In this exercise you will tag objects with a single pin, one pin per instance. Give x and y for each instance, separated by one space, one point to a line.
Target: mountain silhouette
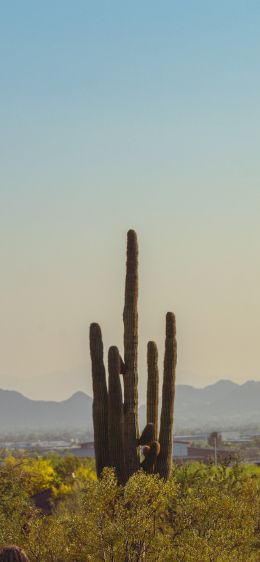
221 405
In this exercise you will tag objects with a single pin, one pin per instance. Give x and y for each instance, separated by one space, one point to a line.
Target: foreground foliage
202 514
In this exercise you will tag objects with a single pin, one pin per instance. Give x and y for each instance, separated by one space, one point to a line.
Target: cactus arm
115 415
151 453
152 386
148 434
164 462
100 399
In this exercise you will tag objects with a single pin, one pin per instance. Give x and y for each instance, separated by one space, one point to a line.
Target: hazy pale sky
118 115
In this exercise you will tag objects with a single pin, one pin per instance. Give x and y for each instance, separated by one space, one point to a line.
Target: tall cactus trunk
100 399
152 386
115 415
164 462
130 317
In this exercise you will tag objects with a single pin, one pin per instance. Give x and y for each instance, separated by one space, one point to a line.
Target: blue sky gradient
129 115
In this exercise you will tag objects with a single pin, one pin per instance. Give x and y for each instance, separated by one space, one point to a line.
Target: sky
118 115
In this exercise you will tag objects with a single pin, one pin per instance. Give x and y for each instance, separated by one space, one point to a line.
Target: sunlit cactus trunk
130 317
164 461
115 415
100 399
152 395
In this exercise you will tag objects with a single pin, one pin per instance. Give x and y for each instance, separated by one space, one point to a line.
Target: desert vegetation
201 514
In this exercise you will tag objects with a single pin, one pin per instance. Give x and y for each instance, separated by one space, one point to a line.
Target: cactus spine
152 395
100 400
116 430
130 317
164 462
115 415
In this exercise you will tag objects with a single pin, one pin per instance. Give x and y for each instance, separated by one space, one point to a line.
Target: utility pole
215 450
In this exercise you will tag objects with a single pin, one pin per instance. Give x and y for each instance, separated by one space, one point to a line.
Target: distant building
180 449
184 451
84 450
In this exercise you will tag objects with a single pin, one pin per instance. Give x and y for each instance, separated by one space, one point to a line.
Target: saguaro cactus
164 462
116 430
100 399
115 415
152 395
130 317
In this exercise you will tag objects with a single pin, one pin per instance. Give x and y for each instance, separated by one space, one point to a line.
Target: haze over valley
224 405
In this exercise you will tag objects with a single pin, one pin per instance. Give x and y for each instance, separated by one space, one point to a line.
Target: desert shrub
202 514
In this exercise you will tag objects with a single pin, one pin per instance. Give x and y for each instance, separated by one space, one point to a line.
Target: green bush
202 514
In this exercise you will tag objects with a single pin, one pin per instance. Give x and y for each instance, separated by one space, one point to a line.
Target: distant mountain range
18 413
222 405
